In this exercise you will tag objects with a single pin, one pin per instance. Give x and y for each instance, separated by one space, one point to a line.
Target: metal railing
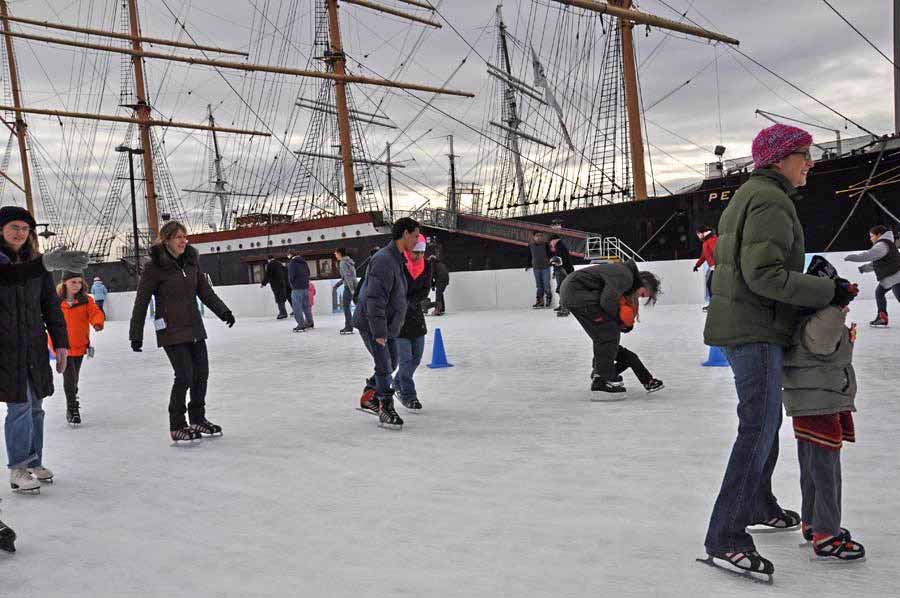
604 249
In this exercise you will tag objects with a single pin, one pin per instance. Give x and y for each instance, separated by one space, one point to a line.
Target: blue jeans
409 356
385 358
542 283
24 431
346 300
746 494
300 304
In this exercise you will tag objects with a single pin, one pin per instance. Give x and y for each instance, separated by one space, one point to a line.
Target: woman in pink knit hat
756 293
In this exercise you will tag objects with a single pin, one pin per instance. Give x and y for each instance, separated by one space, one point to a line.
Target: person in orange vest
709 239
81 313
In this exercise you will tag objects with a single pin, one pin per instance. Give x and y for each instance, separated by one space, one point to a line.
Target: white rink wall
487 289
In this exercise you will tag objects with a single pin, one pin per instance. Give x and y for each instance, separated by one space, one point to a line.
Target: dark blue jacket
381 309
298 273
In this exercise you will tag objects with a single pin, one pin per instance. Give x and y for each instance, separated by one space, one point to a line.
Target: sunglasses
806 155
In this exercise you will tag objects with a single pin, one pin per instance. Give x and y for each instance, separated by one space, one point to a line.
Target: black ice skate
299 328
654 385
749 565
808 532
387 417
411 403
206 428
880 321
539 304
786 522
73 414
185 434
346 330
7 538
838 549
604 385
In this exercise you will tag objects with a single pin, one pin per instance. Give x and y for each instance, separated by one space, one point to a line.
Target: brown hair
169 230
878 230
80 296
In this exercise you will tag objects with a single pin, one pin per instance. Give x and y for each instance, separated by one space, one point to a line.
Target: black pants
626 359
282 311
70 379
820 486
605 334
709 277
439 298
191 364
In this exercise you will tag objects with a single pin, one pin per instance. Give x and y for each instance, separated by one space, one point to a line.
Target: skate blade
613 398
375 413
762 578
216 435
771 530
830 560
27 491
46 481
650 392
184 444
386 426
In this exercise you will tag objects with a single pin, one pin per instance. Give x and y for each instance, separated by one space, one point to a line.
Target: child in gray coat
819 392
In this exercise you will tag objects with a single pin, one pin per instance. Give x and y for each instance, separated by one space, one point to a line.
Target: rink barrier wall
486 289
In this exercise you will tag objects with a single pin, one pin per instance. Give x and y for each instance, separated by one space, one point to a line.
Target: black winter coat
381 310
416 292
441 276
176 284
562 252
276 277
29 310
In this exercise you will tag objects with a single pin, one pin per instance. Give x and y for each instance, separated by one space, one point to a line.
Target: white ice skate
42 474
21 481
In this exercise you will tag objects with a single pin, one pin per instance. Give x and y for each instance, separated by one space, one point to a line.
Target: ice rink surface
510 482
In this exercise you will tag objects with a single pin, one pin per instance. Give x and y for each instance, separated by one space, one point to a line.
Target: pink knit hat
778 142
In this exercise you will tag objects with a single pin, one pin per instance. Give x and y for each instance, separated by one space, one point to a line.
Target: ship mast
628 18
897 66
17 102
513 121
219 188
338 64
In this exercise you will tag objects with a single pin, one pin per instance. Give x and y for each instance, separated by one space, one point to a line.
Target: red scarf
415 269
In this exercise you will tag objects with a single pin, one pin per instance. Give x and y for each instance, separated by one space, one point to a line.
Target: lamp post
137 248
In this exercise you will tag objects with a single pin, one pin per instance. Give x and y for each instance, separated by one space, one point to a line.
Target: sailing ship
562 150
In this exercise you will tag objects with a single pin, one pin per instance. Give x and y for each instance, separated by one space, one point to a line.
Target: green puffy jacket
818 370
759 281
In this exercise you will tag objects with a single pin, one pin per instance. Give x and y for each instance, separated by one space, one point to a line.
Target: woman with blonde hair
81 313
174 279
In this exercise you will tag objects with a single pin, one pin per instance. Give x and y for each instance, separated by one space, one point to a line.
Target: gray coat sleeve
878 251
348 274
824 330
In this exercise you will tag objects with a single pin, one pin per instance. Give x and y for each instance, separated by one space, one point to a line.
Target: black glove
626 329
136 346
696 268
844 292
228 318
862 269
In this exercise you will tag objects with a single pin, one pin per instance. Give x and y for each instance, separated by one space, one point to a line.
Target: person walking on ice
757 290
592 295
884 260
379 317
347 270
99 292
819 392
81 314
539 260
276 278
298 276
174 279
709 239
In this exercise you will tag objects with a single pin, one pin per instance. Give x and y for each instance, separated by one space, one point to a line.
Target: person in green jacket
756 293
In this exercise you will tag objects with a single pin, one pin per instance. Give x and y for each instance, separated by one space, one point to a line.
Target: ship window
240 245
289 239
228 248
270 241
308 239
282 241
358 233
322 237
256 272
218 248
326 267
313 268
343 234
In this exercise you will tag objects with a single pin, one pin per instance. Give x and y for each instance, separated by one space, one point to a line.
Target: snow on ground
509 483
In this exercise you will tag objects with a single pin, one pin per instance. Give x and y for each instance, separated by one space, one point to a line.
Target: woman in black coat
411 342
29 310
173 277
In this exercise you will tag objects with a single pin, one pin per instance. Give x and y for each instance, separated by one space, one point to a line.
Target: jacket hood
349 260
164 259
888 236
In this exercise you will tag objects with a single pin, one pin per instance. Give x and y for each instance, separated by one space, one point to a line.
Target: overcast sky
803 40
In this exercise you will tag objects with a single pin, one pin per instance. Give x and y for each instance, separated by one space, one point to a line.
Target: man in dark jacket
758 287
380 314
440 280
298 277
592 294
539 259
561 261
276 277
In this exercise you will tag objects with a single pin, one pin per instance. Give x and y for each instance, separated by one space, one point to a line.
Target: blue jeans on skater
346 301
24 430
746 494
542 283
385 358
409 356
300 304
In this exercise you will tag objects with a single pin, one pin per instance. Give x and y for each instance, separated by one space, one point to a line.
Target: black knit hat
71 275
12 213
821 267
